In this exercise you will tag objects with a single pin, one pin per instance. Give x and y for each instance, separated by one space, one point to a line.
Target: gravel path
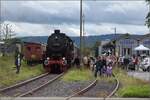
22 89
101 89
60 88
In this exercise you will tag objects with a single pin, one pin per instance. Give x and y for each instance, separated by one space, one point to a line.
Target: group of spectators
129 62
102 64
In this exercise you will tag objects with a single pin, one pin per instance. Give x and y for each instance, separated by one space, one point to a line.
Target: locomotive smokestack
57 31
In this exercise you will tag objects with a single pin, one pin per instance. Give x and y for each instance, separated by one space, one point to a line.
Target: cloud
27 29
58 12
120 12
42 17
40 12
108 28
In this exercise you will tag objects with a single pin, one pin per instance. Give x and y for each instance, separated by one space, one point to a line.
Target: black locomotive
59 52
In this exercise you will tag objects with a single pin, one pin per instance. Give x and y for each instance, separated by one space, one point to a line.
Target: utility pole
7 32
115 30
83 31
0 31
81 25
149 16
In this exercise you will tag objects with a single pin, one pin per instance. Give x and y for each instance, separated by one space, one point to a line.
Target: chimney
57 31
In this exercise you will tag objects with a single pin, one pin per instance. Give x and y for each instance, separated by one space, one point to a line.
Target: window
128 51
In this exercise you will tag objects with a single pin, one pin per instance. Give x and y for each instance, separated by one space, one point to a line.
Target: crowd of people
131 63
102 64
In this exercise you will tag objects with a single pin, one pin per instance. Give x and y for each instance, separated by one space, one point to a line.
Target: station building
125 44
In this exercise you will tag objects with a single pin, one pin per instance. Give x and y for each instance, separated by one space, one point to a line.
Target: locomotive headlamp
46 62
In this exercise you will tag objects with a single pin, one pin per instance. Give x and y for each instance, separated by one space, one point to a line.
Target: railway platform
63 98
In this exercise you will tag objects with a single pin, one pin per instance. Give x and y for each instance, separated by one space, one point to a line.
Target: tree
148 15
96 48
6 34
6 31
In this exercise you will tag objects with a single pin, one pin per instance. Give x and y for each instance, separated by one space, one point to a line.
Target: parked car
145 64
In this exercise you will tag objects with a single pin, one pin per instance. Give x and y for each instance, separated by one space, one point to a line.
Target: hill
88 40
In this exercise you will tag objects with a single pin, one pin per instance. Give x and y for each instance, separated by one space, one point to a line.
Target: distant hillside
89 40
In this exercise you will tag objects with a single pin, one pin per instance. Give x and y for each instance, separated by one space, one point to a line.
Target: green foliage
95 48
86 51
148 15
134 91
131 87
13 41
8 75
78 75
148 1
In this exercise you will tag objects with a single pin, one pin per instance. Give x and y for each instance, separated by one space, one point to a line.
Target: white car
145 64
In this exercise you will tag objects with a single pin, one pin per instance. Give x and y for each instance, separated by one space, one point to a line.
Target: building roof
130 36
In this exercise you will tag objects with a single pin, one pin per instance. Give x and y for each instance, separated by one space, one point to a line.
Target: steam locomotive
59 52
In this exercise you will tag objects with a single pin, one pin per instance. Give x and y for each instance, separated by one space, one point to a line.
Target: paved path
75 98
140 75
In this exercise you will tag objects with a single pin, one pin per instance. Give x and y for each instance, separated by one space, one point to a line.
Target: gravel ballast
60 88
101 89
26 87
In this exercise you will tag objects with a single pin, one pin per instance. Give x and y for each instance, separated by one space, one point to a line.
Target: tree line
148 15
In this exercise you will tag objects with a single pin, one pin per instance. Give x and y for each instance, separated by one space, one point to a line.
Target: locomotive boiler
59 52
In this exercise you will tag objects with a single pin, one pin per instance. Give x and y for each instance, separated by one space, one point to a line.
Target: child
109 69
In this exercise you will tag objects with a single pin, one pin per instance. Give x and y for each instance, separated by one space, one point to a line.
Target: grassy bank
8 74
131 87
75 74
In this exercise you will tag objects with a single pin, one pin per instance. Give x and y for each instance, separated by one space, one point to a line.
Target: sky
40 18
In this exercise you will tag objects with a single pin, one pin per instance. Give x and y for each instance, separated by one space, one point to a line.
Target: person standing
18 63
92 62
104 65
85 61
99 66
77 62
109 70
135 62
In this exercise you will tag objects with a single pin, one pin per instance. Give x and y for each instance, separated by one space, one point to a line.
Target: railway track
92 85
29 86
115 89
